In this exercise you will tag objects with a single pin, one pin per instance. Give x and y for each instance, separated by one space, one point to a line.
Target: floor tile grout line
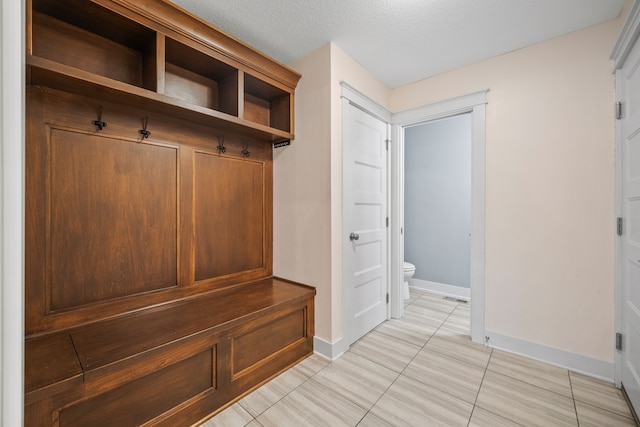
403 370
372 361
532 385
413 358
377 400
475 405
285 395
446 356
497 415
480 387
403 339
401 374
604 410
321 385
599 407
483 375
386 367
573 398
342 396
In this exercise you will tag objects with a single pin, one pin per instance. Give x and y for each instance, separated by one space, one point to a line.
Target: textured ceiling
401 41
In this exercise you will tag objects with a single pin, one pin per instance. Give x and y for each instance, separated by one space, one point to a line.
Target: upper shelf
188 69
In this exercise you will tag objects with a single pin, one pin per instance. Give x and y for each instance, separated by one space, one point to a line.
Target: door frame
475 104
351 96
12 89
629 35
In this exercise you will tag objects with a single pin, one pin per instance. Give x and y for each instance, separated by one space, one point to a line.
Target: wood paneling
113 216
51 366
266 340
142 400
59 125
230 215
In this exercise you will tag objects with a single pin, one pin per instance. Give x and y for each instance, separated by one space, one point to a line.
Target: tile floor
424 370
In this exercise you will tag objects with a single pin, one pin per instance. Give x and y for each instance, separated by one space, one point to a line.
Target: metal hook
144 132
221 147
245 151
101 125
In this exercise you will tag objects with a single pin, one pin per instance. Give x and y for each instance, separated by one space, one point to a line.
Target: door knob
354 236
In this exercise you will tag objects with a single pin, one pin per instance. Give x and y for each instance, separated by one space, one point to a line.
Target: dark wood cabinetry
152 55
149 290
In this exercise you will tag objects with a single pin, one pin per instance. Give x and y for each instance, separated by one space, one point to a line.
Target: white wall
11 211
437 200
549 187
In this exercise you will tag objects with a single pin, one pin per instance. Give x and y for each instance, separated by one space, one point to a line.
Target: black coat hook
221 147
245 151
144 132
101 125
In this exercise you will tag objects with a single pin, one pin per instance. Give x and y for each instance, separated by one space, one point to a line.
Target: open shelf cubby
83 35
162 60
200 79
266 104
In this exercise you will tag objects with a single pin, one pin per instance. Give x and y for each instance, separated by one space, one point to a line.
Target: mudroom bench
149 289
173 364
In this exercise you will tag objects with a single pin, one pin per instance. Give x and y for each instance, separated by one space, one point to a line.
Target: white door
629 80
364 221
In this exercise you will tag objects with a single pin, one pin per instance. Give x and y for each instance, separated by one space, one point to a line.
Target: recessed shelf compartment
266 104
197 78
86 36
106 48
43 72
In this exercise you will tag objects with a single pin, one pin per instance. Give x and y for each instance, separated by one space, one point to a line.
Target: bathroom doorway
437 205
472 105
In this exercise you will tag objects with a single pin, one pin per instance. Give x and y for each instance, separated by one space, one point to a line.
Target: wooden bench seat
51 366
198 354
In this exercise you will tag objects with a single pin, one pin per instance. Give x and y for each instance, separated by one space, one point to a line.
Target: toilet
409 270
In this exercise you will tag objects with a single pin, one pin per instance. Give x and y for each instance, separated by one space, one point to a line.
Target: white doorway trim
475 104
362 101
12 89
629 35
352 96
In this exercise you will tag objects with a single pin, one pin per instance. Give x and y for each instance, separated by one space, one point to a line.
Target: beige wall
308 182
302 190
344 68
549 187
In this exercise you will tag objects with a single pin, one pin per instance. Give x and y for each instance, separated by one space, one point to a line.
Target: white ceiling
401 41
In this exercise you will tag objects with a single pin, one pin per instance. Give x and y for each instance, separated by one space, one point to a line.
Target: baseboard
554 356
327 349
440 288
